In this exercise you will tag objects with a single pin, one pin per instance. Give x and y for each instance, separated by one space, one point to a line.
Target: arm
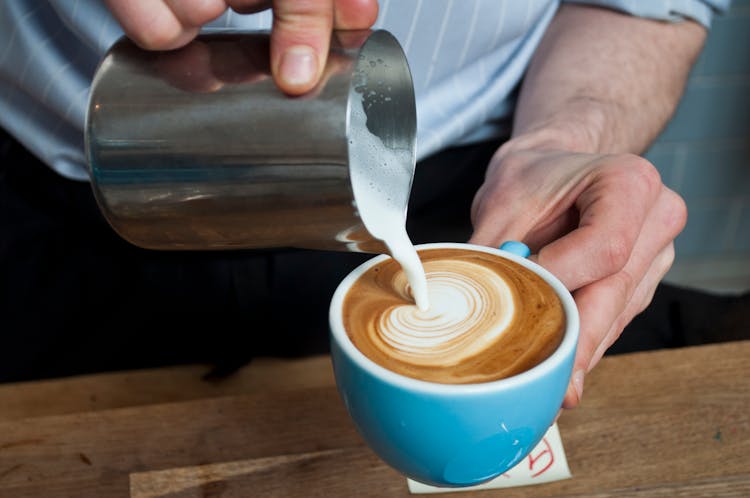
607 82
599 89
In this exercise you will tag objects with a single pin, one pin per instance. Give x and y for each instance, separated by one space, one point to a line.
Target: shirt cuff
701 11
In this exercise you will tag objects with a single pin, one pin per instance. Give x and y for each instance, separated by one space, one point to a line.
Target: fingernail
299 64
578 383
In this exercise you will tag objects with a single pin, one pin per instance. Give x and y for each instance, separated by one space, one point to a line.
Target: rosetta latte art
470 307
489 318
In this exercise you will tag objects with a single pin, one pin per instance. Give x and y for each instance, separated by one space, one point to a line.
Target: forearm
602 81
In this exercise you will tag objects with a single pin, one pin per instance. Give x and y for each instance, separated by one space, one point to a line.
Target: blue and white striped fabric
466 56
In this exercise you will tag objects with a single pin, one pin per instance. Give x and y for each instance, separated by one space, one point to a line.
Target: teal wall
704 153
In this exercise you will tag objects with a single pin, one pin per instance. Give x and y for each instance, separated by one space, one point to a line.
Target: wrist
582 125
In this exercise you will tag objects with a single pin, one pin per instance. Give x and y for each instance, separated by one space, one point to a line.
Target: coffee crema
489 318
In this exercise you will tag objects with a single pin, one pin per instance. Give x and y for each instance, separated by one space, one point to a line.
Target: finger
612 211
337 64
529 193
153 25
497 216
196 13
354 14
574 393
535 238
600 304
497 211
664 223
553 230
348 39
249 6
640 300
300 40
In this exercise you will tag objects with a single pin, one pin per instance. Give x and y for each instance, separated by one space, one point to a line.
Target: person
588 85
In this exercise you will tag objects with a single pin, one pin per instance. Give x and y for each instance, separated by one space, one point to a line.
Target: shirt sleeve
665 10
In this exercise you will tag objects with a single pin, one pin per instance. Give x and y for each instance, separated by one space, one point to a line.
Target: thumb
300 40
493 218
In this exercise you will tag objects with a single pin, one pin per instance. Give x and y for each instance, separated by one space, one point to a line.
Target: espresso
489 318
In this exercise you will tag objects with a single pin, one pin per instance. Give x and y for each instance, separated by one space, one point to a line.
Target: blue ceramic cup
452 434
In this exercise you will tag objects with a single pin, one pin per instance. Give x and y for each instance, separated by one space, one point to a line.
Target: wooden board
143 387
662 424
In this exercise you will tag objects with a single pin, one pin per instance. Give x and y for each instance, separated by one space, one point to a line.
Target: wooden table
660 424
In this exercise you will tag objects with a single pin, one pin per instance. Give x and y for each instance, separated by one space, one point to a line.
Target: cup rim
564 350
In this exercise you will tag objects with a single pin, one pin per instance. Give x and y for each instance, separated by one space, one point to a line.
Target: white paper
545 463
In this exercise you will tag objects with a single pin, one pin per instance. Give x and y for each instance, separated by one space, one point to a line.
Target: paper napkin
545 463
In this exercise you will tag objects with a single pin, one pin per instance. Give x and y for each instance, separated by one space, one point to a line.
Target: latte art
470 307
489 318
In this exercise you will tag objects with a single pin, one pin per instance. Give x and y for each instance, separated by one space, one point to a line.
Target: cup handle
517 248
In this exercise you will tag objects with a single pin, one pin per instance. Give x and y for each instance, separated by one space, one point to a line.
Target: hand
603 224
206 66
300 37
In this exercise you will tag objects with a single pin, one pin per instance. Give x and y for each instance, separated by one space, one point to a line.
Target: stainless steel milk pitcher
196 148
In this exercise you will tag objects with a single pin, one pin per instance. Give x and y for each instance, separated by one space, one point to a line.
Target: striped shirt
466 56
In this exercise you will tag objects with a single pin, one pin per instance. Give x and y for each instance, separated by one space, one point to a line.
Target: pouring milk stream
378 176
449 306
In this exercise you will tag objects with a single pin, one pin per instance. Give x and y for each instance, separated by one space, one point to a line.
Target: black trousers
76 298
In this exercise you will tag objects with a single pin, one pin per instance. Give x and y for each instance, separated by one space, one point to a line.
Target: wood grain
161 385
662 424
320 473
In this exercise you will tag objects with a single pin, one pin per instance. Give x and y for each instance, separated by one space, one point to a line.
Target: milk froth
489 318
458 324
